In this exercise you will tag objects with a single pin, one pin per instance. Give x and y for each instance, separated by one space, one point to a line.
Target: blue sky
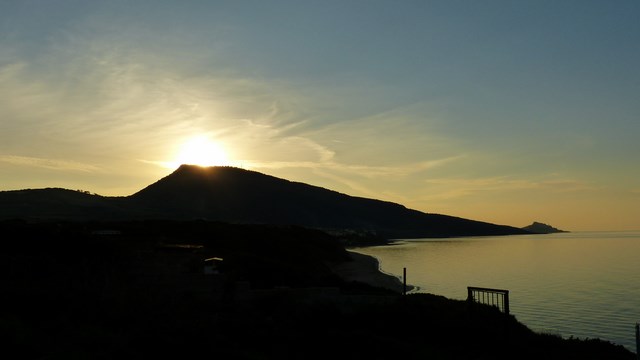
502 111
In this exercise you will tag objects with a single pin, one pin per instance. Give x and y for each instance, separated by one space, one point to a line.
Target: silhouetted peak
215 184
188 168
192 174
204 171
213 172
541 228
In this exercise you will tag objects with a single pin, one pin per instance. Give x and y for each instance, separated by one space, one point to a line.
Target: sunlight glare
201 151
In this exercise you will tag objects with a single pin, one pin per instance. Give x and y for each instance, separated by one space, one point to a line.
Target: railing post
404 281
506 302
638 341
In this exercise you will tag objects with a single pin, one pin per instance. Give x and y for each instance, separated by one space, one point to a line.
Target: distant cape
541 228
235 195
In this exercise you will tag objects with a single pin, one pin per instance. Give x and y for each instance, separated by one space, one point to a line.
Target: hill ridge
236 195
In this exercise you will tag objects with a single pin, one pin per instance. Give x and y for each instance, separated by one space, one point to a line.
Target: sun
201 151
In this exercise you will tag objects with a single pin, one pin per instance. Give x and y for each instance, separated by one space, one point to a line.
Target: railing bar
487 289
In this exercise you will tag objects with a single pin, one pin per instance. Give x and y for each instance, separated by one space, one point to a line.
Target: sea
577 284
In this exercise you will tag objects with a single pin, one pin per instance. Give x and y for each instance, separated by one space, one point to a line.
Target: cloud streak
461 187
52 164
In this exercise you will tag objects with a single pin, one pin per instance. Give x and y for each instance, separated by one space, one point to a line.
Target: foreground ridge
138 288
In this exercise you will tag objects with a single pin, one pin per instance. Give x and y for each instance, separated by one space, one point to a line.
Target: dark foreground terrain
145 289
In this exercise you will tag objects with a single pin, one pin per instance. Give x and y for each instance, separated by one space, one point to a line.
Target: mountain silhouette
235 195
542 228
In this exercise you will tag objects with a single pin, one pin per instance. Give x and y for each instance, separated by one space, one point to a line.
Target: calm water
584 284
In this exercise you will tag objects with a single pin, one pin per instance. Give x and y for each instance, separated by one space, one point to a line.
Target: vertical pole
470 300
404 281
638 341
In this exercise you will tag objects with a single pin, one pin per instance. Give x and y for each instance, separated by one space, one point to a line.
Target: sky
507 112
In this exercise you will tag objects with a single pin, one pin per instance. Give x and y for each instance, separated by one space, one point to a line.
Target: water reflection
575 284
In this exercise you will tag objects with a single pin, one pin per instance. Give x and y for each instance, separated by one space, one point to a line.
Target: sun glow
201 151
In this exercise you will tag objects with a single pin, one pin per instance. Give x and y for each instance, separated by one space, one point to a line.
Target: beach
366 269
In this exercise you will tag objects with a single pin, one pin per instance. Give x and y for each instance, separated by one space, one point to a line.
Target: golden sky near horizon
493 111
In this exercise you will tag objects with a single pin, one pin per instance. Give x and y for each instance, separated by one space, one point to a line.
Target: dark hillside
237 195
58 204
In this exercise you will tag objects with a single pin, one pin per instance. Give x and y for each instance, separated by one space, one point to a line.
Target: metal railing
494 297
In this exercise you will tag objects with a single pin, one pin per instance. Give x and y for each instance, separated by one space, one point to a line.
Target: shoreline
366 269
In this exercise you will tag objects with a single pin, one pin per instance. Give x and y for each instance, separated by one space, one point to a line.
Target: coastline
366 269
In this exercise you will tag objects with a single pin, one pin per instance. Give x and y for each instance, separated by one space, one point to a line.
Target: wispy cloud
126 102
355 169
461 187
120 103
53 164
